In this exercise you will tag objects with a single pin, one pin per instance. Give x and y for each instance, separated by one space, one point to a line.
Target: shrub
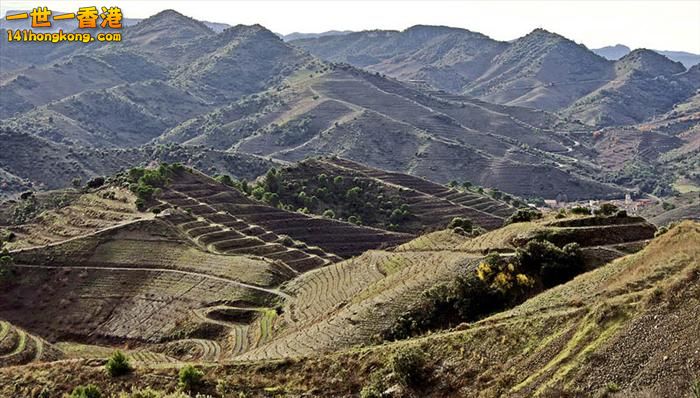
695 388
371 391
612 387
354 220
189 377
606 209
96 182
89 391
118 364
225 179
458 222
407 365
554 265
580 210
271 181
76 182
26 195
523 215
329 213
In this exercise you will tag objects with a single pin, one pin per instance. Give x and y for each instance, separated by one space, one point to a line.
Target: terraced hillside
483 204
198 281
352 302
226 220
17 347
142 282
69 214
369 196
584 337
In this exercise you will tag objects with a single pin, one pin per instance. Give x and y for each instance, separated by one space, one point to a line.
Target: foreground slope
615 328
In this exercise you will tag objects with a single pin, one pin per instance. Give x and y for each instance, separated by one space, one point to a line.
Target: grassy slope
626 323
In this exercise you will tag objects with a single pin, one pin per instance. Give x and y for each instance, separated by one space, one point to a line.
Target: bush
553 264
458 222
407 365
606 209
225 179
189 377
96 182
355 220
329 213
523 215
118 364
89 391
695 388
580 210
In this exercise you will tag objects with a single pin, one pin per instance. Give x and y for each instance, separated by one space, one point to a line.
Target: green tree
118 364
606 209
189 378
408 366
329 213
272 181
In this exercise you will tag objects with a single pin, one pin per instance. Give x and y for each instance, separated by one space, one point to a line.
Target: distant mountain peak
256 30
168 26
648 61
171 18
544 33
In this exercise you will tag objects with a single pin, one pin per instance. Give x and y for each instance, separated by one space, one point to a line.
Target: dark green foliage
606 209
499 282
358 200
147 183
553 264
96 182
496 194
272 198
89 391
118 365
580 210
271 182
644 177
189 378
26 195
465 299
668 206
329 213
464 223
25 210
76 182
354 220
225 179
695 388
523 215
407 365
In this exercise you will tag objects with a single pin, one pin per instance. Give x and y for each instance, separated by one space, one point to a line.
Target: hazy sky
662 25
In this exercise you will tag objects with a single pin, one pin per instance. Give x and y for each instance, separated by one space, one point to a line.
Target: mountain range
540 70
243 91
